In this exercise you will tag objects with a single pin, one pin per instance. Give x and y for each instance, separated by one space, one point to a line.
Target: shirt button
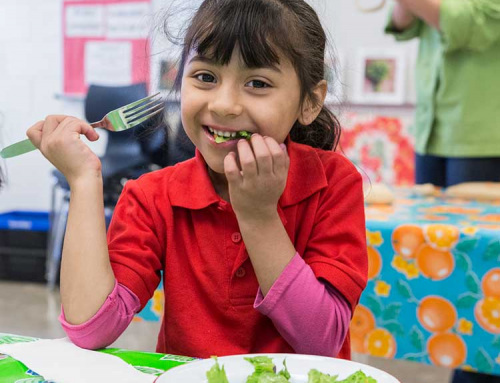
240 273
236 237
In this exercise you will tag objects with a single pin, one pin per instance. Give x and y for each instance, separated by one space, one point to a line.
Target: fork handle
17 149
98 124
103 124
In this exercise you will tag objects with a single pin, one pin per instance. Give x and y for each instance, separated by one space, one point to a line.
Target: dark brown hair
264 29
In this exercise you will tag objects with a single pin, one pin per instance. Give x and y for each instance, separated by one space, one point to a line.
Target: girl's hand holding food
256 177
58 138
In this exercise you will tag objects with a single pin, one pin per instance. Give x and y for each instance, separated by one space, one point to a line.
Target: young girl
262 241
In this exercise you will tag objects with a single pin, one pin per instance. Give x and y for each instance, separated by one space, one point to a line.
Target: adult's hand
402 17
427 10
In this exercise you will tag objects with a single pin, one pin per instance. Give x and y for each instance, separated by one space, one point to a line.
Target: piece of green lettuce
219 139
359 377
217 374
315 376
265 371
244 134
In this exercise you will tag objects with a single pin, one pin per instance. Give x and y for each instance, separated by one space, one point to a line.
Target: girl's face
232 98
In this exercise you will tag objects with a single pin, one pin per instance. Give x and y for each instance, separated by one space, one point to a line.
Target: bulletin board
105 42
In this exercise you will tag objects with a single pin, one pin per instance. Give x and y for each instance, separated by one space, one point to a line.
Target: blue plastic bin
23 245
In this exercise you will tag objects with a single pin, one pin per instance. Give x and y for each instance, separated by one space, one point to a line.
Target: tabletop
433 294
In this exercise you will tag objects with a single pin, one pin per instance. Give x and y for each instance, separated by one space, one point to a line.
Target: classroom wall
30 75
31 80
352 30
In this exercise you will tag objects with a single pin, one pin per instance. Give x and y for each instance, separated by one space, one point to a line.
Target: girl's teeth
227 134
233 134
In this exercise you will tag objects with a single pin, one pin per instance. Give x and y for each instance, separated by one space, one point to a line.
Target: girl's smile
229 144
224 135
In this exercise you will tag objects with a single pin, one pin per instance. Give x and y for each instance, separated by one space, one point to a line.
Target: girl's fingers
231 169
56 129
278 154
247 159
80 127
262 154
34 133
52 122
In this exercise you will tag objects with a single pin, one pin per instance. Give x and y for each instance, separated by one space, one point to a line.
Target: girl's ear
310 109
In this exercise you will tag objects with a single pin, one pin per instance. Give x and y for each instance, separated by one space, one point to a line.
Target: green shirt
458 80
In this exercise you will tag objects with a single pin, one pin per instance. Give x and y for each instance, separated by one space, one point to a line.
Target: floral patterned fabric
382 147
433 294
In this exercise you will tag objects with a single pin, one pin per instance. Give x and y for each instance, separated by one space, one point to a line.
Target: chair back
123 150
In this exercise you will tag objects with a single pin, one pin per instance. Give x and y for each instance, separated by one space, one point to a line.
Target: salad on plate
265 372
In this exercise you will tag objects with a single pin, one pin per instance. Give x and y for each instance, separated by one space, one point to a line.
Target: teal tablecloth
433 294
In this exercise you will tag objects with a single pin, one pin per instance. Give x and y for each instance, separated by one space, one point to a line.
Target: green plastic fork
123 118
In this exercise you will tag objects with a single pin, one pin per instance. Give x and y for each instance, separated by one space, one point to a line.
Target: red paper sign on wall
105 42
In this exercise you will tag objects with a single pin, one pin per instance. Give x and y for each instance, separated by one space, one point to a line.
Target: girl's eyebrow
202 59
207 60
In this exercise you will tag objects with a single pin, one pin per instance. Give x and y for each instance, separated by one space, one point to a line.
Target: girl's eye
259 84
205 77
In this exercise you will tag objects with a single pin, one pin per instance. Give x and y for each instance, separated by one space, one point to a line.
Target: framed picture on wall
380 76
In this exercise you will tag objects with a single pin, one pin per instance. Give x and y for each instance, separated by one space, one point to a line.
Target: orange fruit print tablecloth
433 294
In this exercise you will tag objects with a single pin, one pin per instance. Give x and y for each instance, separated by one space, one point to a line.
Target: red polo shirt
173 221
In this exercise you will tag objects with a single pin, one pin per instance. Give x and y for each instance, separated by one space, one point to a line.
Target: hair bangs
257 27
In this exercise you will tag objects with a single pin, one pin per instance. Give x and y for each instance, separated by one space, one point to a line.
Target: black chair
127 156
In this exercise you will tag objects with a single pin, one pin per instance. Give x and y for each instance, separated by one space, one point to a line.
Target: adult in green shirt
457 120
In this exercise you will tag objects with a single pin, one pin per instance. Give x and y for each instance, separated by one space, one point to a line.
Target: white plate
238 369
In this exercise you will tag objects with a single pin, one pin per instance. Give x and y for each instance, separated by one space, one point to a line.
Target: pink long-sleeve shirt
295 301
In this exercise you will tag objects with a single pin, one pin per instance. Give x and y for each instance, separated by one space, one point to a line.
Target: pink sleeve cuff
297 300
108 323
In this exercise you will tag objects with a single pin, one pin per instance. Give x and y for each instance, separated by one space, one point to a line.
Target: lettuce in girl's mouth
241 134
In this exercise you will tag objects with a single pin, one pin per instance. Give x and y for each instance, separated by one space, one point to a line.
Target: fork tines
142 110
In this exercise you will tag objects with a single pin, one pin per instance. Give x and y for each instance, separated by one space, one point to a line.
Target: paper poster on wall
108 63
85 21
128 21
106 43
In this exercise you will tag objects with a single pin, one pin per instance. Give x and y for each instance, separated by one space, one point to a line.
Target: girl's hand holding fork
58 138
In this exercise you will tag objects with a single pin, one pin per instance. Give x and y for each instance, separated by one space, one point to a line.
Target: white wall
351 30
31 76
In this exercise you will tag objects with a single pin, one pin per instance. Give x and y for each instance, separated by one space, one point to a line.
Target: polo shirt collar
306 174
190 185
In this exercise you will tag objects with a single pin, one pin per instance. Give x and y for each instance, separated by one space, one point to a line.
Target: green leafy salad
265 372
